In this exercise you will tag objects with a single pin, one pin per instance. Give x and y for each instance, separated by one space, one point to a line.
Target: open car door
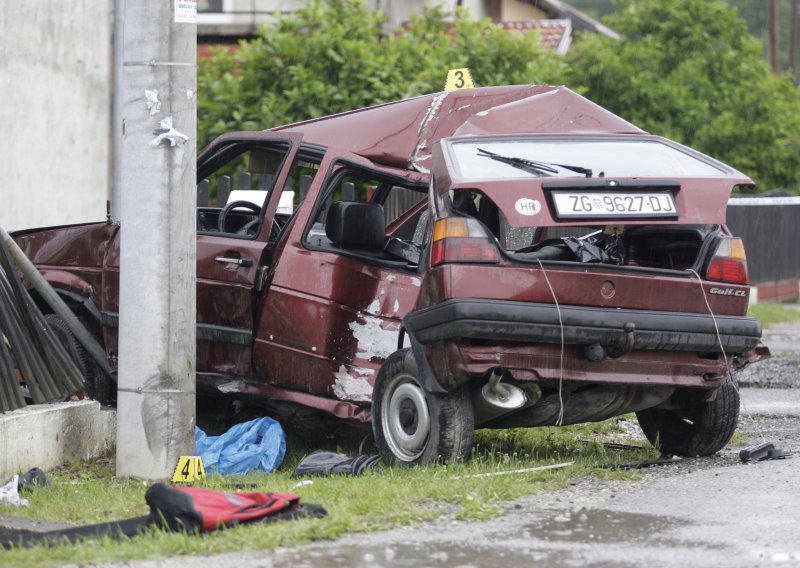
243 175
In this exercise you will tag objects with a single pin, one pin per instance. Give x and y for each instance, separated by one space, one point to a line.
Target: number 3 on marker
458 79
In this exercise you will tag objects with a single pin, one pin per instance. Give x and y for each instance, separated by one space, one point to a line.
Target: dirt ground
713 511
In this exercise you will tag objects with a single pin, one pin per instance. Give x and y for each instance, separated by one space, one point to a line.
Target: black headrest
356 224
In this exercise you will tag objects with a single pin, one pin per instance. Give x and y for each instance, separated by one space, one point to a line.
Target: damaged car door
342 280
246 174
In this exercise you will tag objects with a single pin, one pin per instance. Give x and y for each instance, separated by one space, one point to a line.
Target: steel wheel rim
406 420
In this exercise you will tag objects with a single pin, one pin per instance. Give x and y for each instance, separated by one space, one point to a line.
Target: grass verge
87 493
769 314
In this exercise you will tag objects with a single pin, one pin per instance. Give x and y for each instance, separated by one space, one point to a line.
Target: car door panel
227 268
330 319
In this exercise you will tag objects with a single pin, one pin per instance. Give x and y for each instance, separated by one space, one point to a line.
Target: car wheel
413 427
694 429
97 385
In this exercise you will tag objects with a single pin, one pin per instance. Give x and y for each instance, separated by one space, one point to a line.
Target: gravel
782 370
777 372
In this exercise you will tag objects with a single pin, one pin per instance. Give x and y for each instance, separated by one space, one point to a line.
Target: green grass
88 492
769 314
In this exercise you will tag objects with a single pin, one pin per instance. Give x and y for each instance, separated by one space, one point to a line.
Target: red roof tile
552 32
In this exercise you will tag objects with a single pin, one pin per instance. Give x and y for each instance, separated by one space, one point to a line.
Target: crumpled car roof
400 134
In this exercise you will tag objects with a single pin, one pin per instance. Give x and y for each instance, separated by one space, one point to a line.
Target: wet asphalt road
700 512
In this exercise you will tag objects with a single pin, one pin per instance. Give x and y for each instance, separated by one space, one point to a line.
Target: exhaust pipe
496 399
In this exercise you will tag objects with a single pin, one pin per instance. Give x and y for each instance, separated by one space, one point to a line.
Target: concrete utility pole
156 401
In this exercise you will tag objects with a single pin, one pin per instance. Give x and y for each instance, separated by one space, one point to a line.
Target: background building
56 93
226 21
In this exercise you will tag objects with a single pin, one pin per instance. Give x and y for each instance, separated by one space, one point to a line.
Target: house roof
401 133
554 34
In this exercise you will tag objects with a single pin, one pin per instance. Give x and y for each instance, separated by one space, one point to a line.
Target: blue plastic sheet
258 445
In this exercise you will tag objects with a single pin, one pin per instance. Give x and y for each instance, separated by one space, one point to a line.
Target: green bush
334 56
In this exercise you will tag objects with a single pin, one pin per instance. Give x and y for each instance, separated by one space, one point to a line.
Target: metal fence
770 228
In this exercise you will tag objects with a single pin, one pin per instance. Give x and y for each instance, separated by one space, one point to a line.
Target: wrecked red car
487 258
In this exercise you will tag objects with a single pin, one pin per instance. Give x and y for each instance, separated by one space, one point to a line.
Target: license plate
612 204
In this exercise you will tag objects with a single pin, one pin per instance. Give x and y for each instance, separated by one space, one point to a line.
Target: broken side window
239 187
371 216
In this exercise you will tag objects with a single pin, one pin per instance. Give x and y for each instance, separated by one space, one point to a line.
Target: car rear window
494 158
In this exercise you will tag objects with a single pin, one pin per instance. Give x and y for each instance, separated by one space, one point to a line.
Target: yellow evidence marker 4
189 468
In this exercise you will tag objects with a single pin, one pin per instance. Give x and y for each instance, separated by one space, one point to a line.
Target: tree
333 56
754 12
689 70
597 9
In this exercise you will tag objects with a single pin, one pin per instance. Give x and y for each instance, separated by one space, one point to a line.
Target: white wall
55 111
517 11
399 11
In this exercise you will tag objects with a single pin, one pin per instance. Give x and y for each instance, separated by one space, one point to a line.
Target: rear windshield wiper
533 166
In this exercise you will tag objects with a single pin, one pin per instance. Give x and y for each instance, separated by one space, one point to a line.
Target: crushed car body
486 258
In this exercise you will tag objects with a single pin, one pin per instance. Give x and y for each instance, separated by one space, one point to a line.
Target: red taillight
727 270
462 239
729 263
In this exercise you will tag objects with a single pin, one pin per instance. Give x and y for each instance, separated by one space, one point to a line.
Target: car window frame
220 152
337 170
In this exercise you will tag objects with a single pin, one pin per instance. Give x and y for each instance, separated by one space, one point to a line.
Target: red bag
194 509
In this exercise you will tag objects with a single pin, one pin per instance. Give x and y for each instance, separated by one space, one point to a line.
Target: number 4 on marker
459 79
189 468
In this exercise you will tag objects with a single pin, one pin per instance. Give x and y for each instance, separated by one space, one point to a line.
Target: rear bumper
508 321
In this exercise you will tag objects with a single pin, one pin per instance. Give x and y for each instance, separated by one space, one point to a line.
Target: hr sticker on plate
527 206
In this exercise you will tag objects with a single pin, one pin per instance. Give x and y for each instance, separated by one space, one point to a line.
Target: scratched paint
419 155
231 386
436 103
375 307
373 340
422 149
353 385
